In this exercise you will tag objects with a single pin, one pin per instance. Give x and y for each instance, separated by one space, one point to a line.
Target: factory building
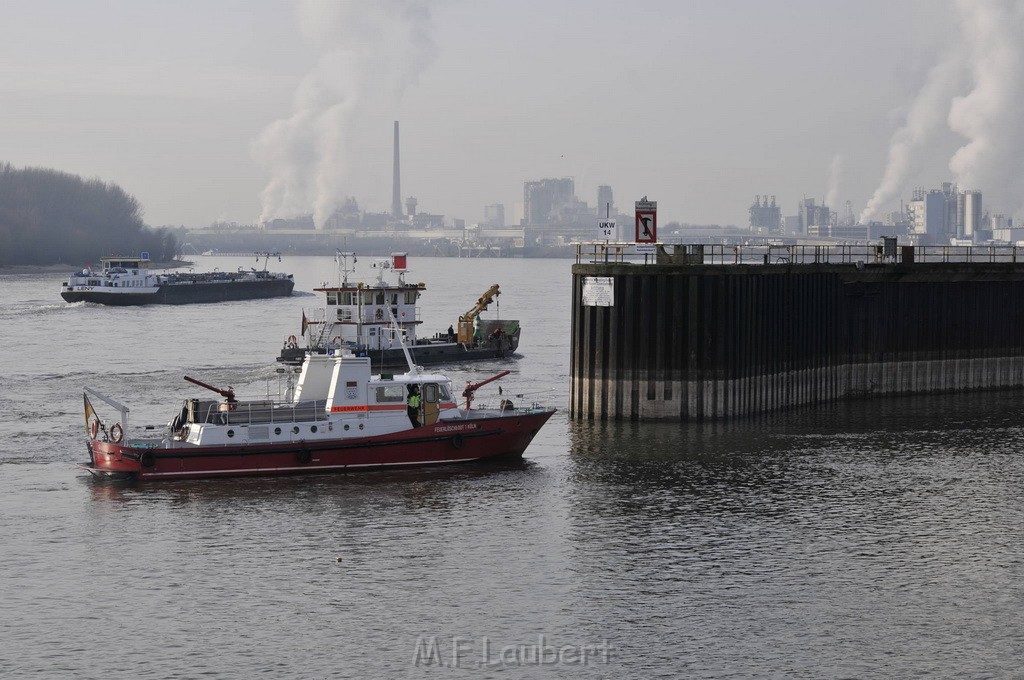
494 215
605 202
766 216
938 215
546 200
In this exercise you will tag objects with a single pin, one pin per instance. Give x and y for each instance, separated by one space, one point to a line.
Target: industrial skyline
263 110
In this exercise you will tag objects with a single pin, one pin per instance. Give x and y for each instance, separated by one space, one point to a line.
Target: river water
866 539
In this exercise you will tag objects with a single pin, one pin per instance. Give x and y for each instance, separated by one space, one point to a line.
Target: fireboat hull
447 442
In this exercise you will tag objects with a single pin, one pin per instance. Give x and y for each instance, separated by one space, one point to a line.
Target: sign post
646 235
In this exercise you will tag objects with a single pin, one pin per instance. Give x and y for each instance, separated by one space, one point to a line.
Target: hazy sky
232 110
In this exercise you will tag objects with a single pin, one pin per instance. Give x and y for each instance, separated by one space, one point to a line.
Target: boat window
394 298
390 394
410 297
445 394
332 298
345 299
367 297
430 392
344 315
380 297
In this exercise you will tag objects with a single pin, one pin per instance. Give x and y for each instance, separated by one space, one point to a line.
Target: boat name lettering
456 428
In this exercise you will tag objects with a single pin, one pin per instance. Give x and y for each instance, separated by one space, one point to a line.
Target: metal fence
887 252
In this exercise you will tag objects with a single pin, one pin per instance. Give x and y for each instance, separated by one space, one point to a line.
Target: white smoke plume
835 175
924 120
371 52
989 116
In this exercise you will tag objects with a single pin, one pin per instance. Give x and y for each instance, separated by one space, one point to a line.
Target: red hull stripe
303 468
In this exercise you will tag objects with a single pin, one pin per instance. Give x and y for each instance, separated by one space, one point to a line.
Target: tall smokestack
396 191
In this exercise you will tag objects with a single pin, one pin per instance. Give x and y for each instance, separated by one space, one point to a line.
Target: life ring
116 433
147 459
380 314
94 428
457 441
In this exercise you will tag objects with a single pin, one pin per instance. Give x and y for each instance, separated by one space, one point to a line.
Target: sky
239 111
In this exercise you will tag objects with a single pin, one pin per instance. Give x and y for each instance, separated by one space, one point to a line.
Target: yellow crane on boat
466 329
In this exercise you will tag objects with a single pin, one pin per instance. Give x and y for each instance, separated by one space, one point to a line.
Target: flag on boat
305 322
90 412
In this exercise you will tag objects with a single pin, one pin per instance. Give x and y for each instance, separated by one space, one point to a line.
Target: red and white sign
646 221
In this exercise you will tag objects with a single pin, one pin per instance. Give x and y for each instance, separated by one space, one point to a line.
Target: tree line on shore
51 217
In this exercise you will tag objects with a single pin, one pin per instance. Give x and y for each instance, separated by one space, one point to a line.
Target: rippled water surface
867 539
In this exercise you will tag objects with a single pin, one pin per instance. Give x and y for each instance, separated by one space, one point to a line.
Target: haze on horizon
233 111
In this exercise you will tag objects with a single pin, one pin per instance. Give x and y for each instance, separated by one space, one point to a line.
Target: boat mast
343 269
413 368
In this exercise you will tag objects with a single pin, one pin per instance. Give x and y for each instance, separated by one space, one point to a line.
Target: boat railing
264 412
887 252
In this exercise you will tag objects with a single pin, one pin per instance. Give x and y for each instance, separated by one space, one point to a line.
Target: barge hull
183 294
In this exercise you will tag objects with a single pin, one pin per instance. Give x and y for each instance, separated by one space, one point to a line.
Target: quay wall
696 342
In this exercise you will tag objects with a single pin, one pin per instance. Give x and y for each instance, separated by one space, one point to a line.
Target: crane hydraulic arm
466 320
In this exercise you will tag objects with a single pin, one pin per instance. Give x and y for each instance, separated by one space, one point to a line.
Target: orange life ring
116 433
94 428
380 314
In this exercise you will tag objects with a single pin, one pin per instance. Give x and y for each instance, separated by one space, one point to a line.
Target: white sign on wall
606 230
598 291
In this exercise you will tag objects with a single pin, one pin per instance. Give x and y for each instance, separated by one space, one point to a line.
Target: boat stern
114 461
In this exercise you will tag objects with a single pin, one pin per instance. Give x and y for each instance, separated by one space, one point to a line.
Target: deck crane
228 394
467 319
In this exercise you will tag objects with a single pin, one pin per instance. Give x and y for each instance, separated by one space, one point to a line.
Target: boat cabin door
431 403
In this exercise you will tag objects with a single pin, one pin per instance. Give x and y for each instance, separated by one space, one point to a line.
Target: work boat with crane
337 417
356 316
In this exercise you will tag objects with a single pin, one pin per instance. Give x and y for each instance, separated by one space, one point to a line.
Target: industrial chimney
396 189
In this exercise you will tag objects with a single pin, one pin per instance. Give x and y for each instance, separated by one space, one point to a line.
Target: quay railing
887 252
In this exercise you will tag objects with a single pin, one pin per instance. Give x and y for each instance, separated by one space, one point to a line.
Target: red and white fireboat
339 418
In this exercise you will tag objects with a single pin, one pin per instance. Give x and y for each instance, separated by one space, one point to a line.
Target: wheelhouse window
332 298
410 297
344 315
390 394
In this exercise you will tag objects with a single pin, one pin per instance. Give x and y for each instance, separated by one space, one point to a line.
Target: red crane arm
473 387
228 394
